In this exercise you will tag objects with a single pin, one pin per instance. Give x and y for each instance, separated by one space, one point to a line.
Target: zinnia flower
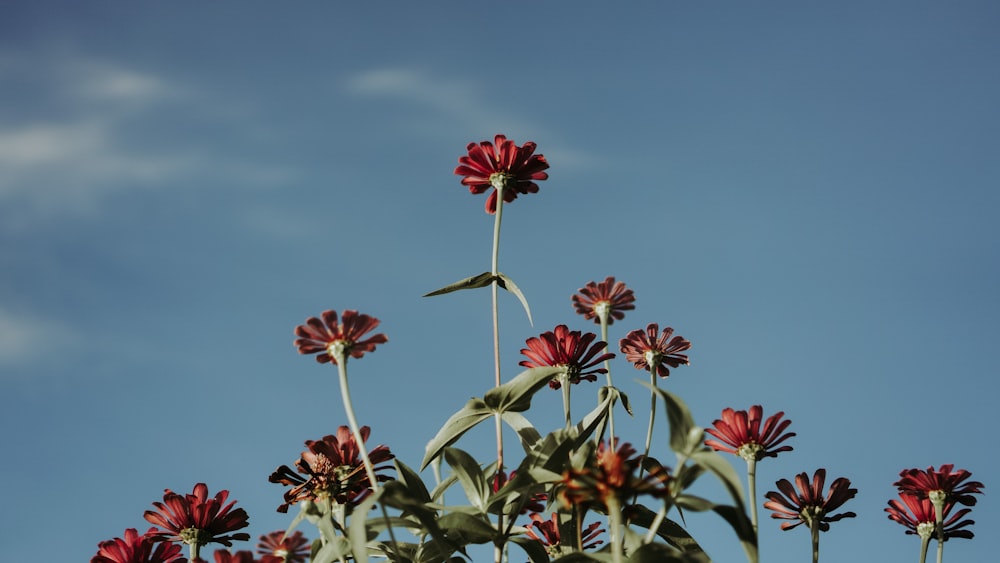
608 300
569 349
277 547
548 534
808 504
943 484
334 469
326 336
918 517
647 350
137 549
196 519
741 434
223 556
501 165
611 474
535 503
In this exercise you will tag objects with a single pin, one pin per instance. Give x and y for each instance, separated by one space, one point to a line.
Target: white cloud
23 337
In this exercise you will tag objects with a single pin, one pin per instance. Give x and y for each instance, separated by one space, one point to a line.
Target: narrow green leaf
470 476
671 531
474 412
414 484
358 529
659 553
594 419
482 280
463 529
338 548
515 395
527 433
534 548
743 527
508 284
723 470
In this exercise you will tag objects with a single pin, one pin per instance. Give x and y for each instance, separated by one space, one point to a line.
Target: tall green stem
617 529
602 315
924 543
814 532
494 270
752 493
565 397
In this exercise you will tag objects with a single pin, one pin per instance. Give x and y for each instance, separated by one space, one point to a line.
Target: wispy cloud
22 337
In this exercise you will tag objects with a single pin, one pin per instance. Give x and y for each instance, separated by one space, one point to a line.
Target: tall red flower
501 164
808 504
333 468
918 517
611 474
325 335
547 532
569 349
944 483
137 549
648 349
196 519
740 433
608 299
279 547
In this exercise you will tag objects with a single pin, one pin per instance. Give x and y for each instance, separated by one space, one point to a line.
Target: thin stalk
194 548
617 529
565 398
924 543
602 315
494 270
752 492
940 551
652 417
814 530
937 499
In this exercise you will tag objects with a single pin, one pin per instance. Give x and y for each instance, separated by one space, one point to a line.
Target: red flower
611 474
742 435
808 504
326 336
548 534
335 469
644 349
922 522
512 168
137 549
569 349
942 483
292 548
535 503
197 519
607 299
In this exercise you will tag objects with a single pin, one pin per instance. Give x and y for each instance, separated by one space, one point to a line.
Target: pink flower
918 517
325 335
501 163
646 350
197 519
808 504
608 299
569 349
137 549
741 434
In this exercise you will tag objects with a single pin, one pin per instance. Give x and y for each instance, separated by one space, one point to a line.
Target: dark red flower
644 348
326 336
944 483
197 519
741 434
548 534
501 163
918 516
569 349
808 504
608 299
334 468
287 548
611 474
223 556
137 549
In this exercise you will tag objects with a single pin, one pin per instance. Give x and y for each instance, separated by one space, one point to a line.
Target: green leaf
669 530
527 433
338 548
358 529
508 284
463 529
594 419
723 470
482 280
515 395
474 412
743 527
534 548
659 553
414 484
470 475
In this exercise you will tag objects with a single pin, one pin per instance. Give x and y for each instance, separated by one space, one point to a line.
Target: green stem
565 398
652 415
814 530
494 270
938 501
617 530
940 551
752 493
194 548
603 317
924 543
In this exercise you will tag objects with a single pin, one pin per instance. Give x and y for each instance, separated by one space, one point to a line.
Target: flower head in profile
741 433
572 350
134 548
547 532
944 485
224 556
611 474
607 300
649 349
332 468
281 547
918 517
807 504
329 338
501 165
196 519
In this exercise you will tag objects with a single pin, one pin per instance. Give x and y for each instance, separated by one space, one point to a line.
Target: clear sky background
807 191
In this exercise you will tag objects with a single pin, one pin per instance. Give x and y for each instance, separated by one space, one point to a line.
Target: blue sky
807 192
